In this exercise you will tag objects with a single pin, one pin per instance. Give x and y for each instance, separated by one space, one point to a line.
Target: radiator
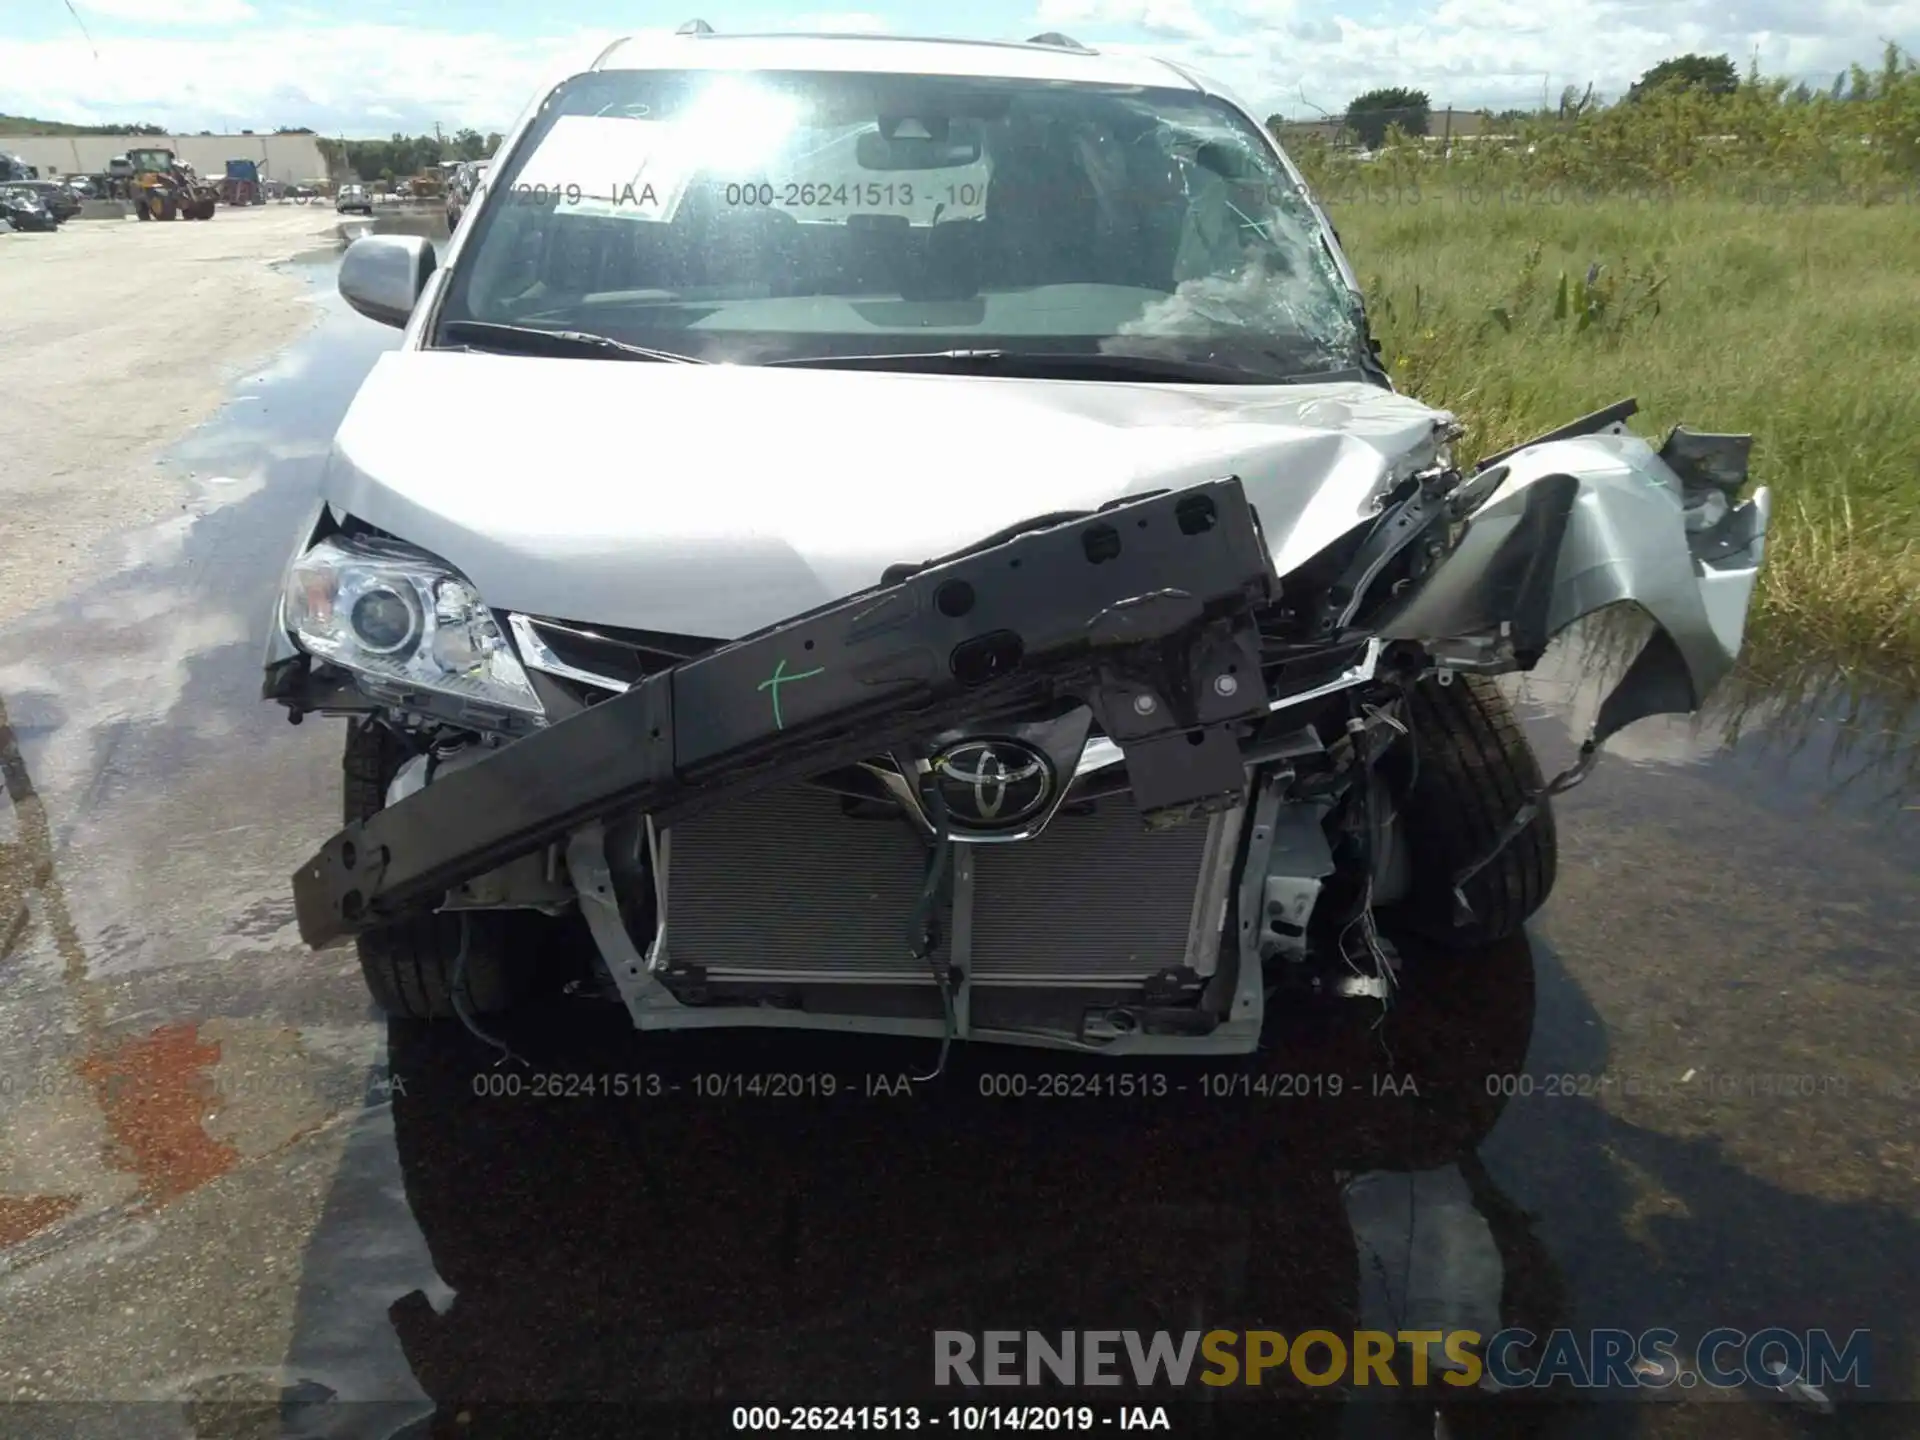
785 887
1092 899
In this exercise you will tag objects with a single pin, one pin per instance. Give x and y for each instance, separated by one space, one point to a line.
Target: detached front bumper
1144 612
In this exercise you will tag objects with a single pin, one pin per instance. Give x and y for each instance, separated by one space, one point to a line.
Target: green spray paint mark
780 677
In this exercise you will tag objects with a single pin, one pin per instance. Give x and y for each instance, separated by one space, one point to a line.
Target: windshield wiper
535 341
1050 363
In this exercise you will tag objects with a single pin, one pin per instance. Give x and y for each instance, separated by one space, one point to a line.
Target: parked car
57 197
23 209
1028 613
354 199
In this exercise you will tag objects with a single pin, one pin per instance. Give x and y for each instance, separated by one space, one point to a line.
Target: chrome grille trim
535 654
543 642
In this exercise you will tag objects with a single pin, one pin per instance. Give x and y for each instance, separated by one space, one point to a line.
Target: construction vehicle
241 184
162 186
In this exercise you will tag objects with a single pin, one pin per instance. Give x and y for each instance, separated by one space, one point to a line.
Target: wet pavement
233 1201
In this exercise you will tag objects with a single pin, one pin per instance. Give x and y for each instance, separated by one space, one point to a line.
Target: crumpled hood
712 501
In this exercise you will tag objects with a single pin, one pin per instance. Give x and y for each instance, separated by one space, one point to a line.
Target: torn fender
1575 525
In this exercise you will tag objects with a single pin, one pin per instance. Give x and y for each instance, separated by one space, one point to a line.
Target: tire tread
1476 769
409 965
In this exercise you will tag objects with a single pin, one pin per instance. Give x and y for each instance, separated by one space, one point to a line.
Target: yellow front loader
162 187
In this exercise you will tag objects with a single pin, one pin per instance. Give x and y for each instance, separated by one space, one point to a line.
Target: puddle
1819 735
429 222
1724 975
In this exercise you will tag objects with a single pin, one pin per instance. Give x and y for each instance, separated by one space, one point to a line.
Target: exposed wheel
144 211
1472 770
410 966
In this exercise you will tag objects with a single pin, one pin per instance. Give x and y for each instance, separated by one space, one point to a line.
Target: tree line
1368 117
27 125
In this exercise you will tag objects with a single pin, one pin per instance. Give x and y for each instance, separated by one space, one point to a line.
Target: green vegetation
1370 115
1713 73
407 154
26 125
1768 282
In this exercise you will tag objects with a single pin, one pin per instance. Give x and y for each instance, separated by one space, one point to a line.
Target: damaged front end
1098 782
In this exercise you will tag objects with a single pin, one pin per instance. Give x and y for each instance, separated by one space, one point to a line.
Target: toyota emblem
993 784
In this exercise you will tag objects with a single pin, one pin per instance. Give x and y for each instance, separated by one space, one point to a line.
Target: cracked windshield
1080 718
771 216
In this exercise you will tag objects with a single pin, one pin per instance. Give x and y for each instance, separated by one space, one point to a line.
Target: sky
363 68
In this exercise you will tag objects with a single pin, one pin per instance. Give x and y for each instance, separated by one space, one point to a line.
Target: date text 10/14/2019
782 1419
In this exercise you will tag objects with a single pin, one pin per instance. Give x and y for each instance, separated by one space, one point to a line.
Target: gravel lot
115 337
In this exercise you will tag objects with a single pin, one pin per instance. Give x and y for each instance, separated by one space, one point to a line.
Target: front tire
1473 770
410 966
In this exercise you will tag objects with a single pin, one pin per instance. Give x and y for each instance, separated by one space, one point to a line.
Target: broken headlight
395 614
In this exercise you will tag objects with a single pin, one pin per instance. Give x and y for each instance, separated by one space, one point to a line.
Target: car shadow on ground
668 1249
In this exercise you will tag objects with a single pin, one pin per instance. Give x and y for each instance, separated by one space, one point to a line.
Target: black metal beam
1153 597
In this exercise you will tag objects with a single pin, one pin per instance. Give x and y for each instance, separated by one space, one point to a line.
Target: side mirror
382 276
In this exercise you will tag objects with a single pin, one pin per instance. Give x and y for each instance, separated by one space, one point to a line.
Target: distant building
288 158
1459 124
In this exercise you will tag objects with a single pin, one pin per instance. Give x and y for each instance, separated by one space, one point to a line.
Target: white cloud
1174 19
1284 55
173 12
1287 56
355 79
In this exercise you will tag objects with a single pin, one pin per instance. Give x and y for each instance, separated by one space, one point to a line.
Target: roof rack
1059 42
695 27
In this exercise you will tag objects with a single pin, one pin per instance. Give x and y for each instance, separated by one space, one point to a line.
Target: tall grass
1624 258
1756 142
